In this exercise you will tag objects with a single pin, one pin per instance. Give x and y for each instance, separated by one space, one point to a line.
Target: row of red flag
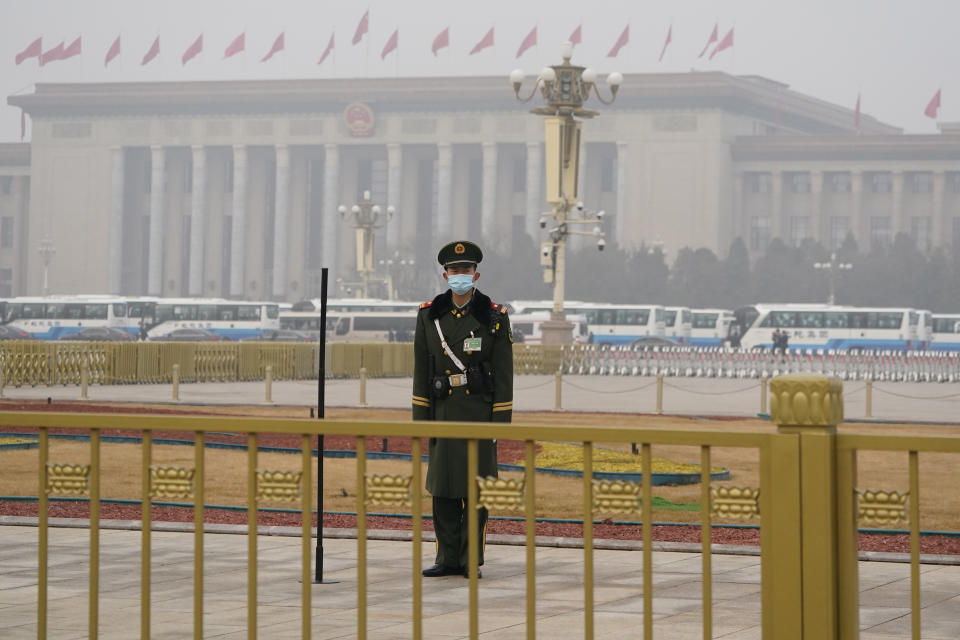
62 51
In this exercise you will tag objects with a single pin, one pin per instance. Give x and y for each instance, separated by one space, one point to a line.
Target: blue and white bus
231 319
53 317
819 326
946 332
708 327
607 323
677 324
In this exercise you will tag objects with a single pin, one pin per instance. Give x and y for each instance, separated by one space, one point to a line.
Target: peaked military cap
459 252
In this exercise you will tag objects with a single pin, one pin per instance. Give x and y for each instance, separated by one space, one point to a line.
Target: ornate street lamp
46 250
367 218
396 269
564 88
833 268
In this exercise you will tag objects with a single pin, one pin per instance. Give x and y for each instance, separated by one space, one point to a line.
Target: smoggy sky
895 54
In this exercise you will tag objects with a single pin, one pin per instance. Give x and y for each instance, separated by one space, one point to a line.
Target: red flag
52 55
577 36
391 44
442 40
33 50
528 42
193 50
23 124
152 53
726 43
665 43
362 27
856 114
933 106
486 41
239 44
620 43
713 38
74 49
113 52
278 46
327 51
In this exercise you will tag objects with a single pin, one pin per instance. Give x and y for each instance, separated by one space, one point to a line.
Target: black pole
321 400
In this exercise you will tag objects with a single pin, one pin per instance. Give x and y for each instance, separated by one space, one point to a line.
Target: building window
759 233
608 173
799 229
760 182
920 230
6 232
922 182
839 228
800 183
881 183
879 231
840 182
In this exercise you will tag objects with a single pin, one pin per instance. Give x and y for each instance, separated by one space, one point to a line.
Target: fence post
268 382
176 382
869 413
558 393
84 379
659 393
812 559
763 394
363 387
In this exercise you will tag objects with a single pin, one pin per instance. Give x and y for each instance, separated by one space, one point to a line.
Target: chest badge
472 344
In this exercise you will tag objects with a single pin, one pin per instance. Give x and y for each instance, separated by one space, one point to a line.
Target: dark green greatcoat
447 470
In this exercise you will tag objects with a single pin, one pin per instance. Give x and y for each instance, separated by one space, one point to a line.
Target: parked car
280 335
99 334
190 335
12 333
653 341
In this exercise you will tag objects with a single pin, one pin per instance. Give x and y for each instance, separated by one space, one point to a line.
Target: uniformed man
462 371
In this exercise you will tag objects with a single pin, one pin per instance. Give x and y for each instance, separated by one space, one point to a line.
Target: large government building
233 188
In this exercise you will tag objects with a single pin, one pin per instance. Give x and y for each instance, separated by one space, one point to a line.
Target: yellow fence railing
806 504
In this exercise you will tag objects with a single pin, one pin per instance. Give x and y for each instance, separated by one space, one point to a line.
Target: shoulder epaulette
502 308
424 305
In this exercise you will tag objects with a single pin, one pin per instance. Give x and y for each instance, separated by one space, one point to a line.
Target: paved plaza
912 402
884 587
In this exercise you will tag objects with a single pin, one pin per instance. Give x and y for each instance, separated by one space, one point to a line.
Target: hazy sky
895 53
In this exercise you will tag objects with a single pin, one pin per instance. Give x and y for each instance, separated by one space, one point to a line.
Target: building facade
233 188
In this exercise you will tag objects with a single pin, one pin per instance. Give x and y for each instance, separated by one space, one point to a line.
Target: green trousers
450 525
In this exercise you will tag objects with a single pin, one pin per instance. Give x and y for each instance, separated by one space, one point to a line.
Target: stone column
621 224
331 218
937 223
444 232
155 253
816 197
198 220
488 216
896 195
534 205
238 228
739 217
394 173
777 226
281 220
860 227
115 253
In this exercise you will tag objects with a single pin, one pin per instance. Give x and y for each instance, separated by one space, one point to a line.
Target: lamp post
367 218
832 268
564 88
396 268
46 250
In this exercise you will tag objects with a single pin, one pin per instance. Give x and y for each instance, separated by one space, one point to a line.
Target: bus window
637 317
248 312
343 327
913 318
207 312
893 320
685 316
226 313
30 311
669 317
705 320
811 319
526 328
836 320
184 312
95 311
119 310
72 311
272 311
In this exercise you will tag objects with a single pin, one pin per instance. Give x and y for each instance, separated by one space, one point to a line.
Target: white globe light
517 76
342 209
391 210
566 50
589 76
614 79
355 208
547 74
376 209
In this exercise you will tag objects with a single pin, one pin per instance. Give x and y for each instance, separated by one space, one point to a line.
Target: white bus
607 323
354 326
946 332
709 327
677 324
353 305
819 326
231 319
53 317
526 327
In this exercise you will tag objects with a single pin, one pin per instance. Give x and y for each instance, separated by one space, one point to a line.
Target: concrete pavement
618 613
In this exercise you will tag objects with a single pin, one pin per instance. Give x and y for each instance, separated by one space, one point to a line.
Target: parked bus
945 332
677 324
353 305
607 323
526 327
827 327
53 317
230 319
708 327
355 326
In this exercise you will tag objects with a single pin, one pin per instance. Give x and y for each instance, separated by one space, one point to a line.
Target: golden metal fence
806 504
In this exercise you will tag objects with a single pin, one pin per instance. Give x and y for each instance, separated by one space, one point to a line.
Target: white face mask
460 283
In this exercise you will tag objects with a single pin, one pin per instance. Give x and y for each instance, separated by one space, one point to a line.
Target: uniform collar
479 306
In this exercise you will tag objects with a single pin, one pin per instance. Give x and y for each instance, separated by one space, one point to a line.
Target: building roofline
862 147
